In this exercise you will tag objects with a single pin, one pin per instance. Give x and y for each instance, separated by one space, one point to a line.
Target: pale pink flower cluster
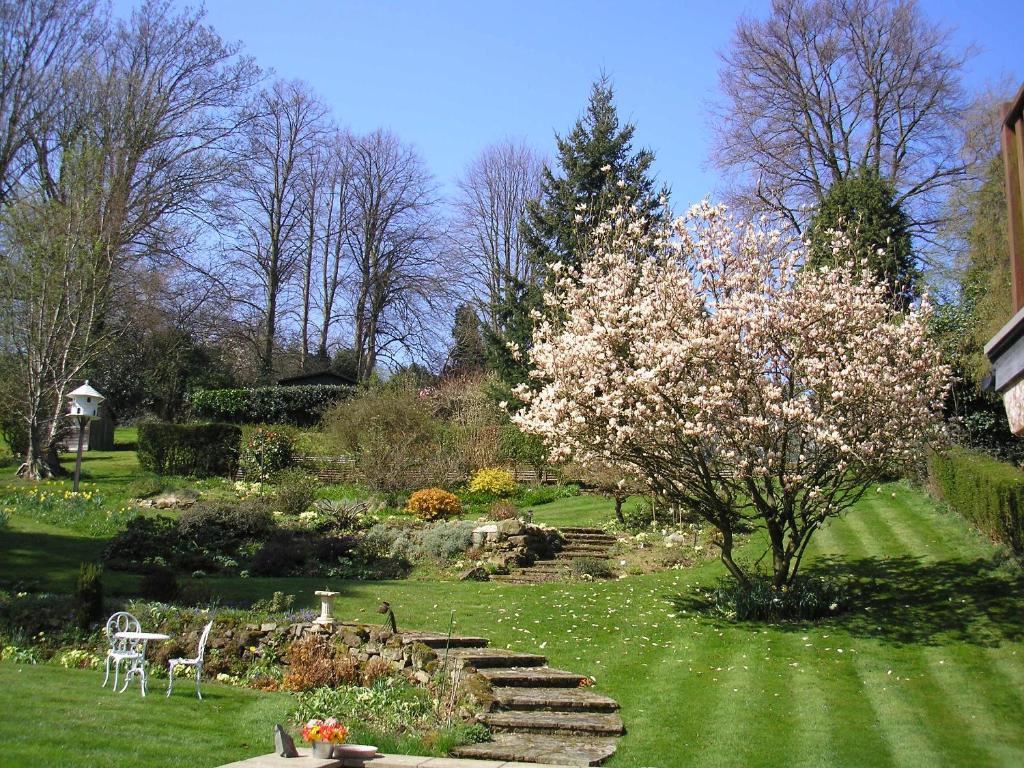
709 363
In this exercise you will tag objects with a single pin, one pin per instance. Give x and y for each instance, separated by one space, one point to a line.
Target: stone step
487 658
585 550
569 723
557 699
514 579
588 543
534 748
572 554
577 529
588 537
439 641
532 677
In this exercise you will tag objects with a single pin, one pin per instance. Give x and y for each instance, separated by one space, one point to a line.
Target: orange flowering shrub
314 662
433 504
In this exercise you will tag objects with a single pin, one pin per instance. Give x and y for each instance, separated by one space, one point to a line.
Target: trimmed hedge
987 492
200 450
301 406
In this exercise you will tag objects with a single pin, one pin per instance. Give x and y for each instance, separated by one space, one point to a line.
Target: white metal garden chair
121 649
196 663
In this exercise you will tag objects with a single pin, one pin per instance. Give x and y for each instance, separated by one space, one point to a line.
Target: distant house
315 379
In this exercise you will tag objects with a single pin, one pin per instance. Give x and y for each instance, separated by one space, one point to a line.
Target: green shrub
519 448
160 584
590 568
222 526
200 450
808 598
265 453
445 541
143 541
987 492
282 555
300 406
392 435
296 491
89 595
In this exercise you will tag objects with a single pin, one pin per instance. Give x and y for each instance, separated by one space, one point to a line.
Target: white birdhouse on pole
85 401
85 406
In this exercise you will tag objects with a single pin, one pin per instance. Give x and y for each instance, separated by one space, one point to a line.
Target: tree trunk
780 558
271 328
618 510
41 460
727 560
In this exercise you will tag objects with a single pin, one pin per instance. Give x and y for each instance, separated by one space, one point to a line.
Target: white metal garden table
138 666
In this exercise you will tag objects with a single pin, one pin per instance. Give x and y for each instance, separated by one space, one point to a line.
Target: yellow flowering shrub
493 480
433 504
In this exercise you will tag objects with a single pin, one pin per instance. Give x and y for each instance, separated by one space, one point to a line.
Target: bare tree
326 182
489 207
123 162
399 283
822 88
270 195
40 42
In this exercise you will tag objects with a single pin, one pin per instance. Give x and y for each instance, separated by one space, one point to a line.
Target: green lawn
61 717
583 510
928 670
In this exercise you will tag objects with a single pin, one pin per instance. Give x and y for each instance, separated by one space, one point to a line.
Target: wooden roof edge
1015 109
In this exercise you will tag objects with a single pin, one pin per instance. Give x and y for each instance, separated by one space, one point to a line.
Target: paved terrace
379 761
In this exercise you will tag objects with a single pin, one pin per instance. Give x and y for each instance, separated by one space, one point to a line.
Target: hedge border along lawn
297 405
198 450
988 493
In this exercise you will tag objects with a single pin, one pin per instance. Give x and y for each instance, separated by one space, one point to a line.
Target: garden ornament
284 745
389 622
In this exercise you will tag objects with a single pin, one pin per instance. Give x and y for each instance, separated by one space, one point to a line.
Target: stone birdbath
326 599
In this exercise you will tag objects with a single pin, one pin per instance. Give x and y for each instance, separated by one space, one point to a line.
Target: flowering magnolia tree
730 379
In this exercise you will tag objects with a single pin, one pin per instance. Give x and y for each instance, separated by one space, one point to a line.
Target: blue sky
452 77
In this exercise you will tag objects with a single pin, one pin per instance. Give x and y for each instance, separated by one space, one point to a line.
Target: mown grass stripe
899 718
1009 669
745 723
845 540
867 536
821 732
890 516
987 706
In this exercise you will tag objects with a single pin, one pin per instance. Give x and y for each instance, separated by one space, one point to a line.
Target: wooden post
82 421
1012 141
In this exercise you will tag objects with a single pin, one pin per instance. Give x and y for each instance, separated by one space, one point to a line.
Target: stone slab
534 748
601 724
304 760
535 677
495 657
413 761
561 699
385 761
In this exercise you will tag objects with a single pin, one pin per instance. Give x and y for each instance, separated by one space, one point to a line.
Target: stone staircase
579 542
536 714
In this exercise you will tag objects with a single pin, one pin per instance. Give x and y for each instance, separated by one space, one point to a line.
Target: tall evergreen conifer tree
596 168
863 206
